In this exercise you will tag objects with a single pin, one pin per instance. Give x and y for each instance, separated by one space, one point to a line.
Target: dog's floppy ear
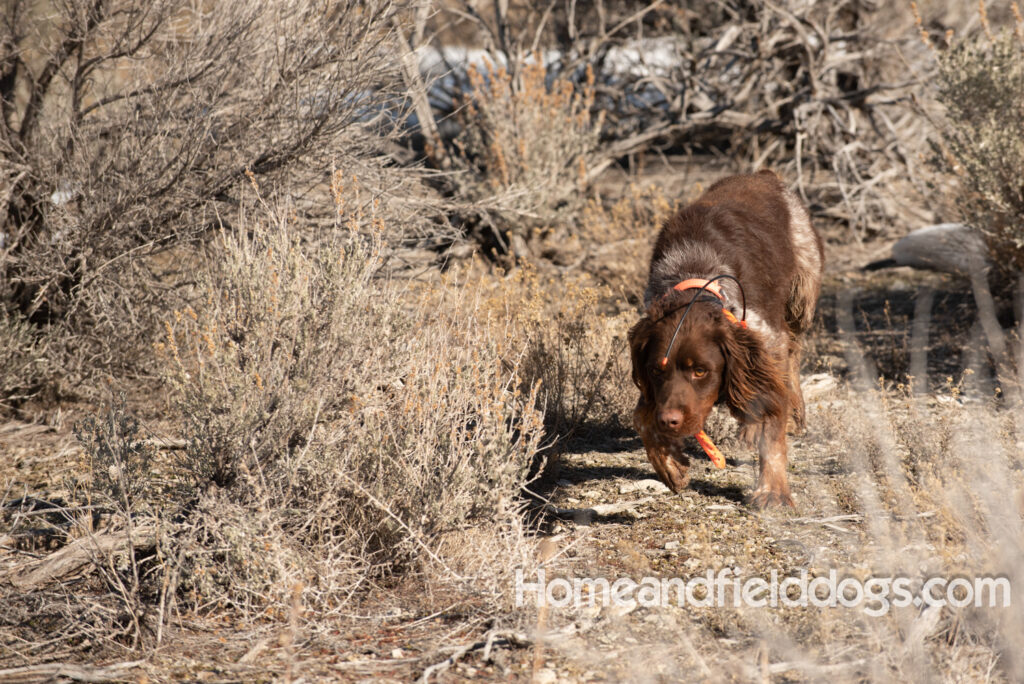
753 387
639 336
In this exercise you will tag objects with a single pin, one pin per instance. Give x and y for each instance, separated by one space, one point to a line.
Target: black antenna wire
703 289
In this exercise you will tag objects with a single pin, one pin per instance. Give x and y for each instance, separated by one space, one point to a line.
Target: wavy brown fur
753 228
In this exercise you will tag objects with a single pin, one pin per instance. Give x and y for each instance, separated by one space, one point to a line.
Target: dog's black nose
670 419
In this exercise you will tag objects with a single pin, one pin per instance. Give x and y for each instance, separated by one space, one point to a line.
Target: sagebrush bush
127 127
23 362
525 145
980 81
336 426
571 345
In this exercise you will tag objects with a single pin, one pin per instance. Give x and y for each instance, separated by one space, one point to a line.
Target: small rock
545 676
817 385
623 609
564 483
650 486
671 546
397 653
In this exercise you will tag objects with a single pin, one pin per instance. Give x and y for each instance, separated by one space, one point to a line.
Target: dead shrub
336 429
126 128
524 148
980 82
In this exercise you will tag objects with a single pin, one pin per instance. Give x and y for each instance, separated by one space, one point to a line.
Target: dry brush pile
816 90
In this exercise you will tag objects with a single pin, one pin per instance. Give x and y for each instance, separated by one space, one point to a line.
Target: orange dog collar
698 283
715 289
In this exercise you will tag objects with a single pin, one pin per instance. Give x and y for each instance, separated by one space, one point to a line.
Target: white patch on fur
775 339
754 321
805 246
807 282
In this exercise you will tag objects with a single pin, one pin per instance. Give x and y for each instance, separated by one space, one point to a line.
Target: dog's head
712 359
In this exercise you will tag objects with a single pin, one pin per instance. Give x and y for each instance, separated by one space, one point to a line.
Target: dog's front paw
675 477
672 471
764 498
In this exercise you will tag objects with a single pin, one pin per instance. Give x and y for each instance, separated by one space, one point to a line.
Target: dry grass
524 147
888 485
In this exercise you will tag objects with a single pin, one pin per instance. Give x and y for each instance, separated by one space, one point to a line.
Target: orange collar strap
732 317
698 283
715 289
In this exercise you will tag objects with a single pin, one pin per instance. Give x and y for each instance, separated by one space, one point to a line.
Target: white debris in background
635 58
947 247
643 58
63 194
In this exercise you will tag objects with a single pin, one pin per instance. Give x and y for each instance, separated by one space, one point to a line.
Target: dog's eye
699 372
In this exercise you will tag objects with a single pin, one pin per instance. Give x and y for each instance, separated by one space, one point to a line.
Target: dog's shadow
730 492
582 473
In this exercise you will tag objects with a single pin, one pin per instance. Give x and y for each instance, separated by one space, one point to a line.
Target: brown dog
758 234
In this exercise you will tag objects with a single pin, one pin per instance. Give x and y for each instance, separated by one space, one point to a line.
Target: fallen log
72 560
59 672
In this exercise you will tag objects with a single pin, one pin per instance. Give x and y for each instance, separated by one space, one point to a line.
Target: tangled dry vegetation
323 374
978 82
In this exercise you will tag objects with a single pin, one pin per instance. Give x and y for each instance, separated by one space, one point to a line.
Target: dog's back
754 228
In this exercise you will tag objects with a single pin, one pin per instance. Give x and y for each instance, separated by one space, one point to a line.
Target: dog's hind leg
799 410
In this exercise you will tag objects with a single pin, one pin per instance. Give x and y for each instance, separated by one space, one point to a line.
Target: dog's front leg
772 486
670 462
